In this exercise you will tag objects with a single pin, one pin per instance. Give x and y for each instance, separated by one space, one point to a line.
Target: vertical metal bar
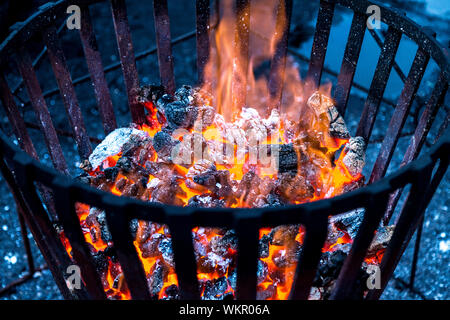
349 62
379 82
118 220
240 64
416 253
127 59
65 205
202 31
180 226
426 120
68 95
41 111
400 114
352 264
14 117
316 234
278 63
247 229
165 58
415 204
320 44
95 66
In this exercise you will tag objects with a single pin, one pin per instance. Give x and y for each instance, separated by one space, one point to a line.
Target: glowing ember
201 148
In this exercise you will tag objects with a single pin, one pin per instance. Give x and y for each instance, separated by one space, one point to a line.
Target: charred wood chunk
205 201
100 262
381 239
150 93
349 222
354 158
223 187
337 128
151 247
264 245
180 115
287 157
168 191
163 101
185 94
212 262
131 190
329 267
171 292
224 245
294 187
163 143
157 275
143 231
263 271
284 235
111 173
215 289
121 184
271 200
165 248
266 293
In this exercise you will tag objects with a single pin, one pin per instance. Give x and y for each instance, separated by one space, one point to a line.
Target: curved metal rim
47 14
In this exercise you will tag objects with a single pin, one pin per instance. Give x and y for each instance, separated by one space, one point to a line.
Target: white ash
113 144
354 158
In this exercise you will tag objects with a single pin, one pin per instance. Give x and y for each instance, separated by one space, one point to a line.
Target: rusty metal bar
68 95
119 226
316 233
14 117
400 114
40 107
378 84
180 226
127 59
65 204
95 66
320 44
426 120
347 277
278 63
165 57
202 32
240 65
349 62
247 229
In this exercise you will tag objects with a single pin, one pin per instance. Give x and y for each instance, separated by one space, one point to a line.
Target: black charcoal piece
180 115
287 158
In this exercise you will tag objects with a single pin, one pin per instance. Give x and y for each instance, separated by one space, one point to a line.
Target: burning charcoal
381 239
294 187
143 231
264 294
131 190
167 192
248 187
205 201
329 267
263 271
171 292
150 247
100 262
284 235
180 115
354 158
221 245
333 235
213 263
163 101
215 289
185 94
272 123
111 173
119 283
284 258
113 144
163 144
165 248
150 93
349 221
223 187
320 103
158 273
120 185
101 219
264 246
337 129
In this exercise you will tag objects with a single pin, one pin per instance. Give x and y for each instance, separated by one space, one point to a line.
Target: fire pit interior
247 184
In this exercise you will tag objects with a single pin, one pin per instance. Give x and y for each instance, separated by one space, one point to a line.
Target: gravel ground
432 281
